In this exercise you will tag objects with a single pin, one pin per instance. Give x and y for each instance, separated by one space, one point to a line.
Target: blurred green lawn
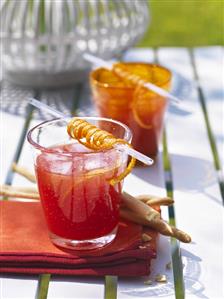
185 23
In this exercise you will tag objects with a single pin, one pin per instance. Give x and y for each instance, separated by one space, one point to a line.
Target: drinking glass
80 205
141 109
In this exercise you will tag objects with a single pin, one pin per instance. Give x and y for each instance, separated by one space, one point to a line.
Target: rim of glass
107 85
127 137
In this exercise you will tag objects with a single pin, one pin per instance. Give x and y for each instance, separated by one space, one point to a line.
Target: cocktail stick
123 147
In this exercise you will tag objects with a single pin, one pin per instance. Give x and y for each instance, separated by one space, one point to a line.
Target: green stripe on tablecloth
110 290
175 247
43 281
43 284
28 117
76 98
211 138
177 264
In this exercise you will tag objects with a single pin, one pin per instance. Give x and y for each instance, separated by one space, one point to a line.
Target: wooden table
189 168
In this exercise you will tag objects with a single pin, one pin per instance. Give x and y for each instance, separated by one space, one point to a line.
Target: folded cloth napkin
26 248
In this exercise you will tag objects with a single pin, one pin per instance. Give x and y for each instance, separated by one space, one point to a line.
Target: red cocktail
81 207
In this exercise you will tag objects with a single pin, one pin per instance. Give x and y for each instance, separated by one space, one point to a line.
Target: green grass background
185 23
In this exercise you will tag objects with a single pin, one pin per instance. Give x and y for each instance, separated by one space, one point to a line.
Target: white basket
43 41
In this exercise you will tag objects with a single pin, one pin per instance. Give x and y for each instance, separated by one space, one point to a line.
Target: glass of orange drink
141 109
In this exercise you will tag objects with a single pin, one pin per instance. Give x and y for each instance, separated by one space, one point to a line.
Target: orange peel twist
138 82
97 139
120 71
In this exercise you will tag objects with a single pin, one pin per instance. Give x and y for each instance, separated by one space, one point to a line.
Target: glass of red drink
140 109
81 207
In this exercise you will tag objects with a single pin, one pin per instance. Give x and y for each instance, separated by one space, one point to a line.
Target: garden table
189 168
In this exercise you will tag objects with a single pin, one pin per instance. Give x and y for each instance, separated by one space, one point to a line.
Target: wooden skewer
24 172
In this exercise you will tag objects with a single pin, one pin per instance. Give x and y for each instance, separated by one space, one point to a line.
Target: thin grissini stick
126 213
139 207
146 237
181 235
154 200
137 218
25 192
32 192
144 198
164 229
160 202
133 203
157 224
24 172
128 200
20 189
148 199
14 192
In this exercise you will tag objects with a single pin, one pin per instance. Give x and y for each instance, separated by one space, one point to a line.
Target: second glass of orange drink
141 109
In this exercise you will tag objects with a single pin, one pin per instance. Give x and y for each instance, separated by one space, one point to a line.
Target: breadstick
154 200
157 224
24 172
20 189
160 202
11 192
181 235
139 207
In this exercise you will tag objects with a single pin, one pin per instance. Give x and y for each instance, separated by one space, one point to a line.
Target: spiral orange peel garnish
96 139
138 82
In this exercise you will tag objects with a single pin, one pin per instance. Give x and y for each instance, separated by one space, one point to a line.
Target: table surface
189 168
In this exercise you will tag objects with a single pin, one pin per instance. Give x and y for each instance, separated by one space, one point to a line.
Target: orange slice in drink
146 104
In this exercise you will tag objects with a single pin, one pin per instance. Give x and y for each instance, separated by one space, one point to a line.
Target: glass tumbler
80 205
141 109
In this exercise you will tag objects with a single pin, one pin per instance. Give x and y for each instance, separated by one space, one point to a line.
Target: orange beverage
139 108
